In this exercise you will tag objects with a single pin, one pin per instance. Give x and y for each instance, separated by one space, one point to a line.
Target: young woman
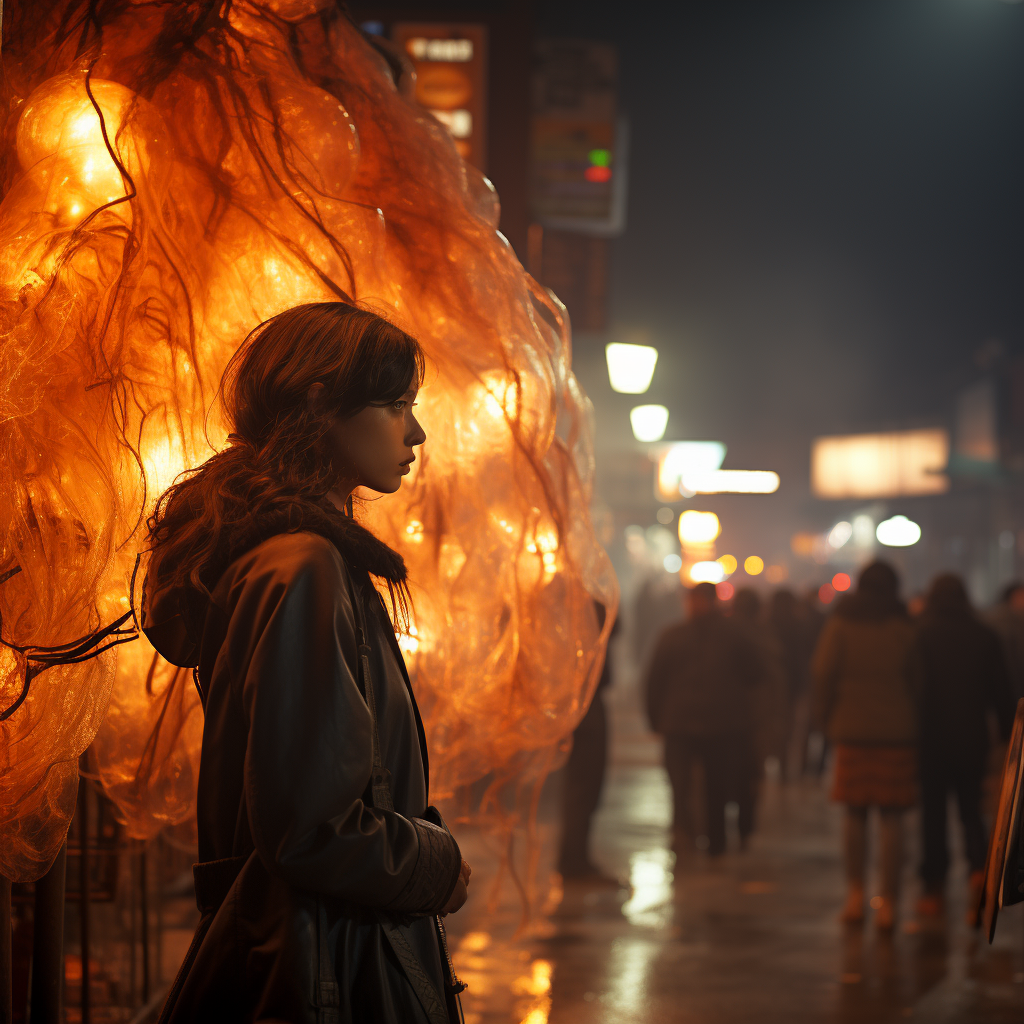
323 871
865 697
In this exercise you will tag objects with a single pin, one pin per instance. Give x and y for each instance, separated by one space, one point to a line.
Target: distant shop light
666 515
880 465
753 565
728 563
682 457
648 422
730 481
840 534
698 527
725 591
707 572
898 532
630 367
826 593
672 563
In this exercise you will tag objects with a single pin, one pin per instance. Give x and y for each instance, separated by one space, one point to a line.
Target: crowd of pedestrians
909 707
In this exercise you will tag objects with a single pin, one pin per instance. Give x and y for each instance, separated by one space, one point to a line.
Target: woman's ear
315 398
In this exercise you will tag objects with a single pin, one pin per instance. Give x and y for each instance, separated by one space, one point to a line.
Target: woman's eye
400 404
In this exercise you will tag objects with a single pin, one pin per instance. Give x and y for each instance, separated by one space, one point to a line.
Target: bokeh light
728 563
840 582
698 527
753 565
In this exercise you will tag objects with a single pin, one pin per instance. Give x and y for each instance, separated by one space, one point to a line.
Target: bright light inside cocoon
707 572
630 367
648 422
840 534
672 563
698 527
898 532
730 481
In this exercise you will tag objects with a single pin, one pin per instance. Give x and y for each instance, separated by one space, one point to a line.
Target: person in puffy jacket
864 698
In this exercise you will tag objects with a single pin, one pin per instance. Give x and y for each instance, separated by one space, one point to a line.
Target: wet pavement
754 937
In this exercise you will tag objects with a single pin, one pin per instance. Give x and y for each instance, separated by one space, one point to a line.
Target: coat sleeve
825 667
309 755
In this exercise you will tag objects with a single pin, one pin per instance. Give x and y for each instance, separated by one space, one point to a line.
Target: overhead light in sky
898 532
630 367
648 422
729 481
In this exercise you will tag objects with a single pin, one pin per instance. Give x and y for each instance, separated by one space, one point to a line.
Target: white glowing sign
729 481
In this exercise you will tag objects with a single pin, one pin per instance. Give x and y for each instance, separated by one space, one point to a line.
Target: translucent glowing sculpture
173 174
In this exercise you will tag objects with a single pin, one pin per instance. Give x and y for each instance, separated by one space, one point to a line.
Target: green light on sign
600 157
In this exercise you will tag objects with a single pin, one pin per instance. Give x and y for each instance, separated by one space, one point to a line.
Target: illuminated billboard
880 465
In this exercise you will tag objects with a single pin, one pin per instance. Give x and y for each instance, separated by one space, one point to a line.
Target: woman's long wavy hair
276 472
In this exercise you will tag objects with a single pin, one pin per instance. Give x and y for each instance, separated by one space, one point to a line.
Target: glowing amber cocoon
163 206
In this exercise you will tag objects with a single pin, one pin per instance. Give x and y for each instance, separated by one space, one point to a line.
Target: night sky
825 211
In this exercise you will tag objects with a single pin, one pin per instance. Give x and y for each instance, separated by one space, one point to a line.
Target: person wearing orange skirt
865 698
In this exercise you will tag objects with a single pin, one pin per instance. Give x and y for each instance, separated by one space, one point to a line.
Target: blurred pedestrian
795 633
864 696
769 696
583 780
963 680
698 687
1007 619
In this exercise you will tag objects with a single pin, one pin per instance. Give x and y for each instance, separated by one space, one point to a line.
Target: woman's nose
417 435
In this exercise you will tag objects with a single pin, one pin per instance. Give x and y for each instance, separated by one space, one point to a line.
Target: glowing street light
698 527
648 422
630 367
898 532
728 563
707 572
753 565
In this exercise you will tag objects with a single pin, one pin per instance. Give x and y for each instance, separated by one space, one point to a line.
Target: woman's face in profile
374 447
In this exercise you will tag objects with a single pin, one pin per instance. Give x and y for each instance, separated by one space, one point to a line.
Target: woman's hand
460 893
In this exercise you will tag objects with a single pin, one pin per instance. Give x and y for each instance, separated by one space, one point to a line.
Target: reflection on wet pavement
753 937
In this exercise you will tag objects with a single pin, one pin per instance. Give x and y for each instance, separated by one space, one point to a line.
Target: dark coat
963 678
284 788
701 677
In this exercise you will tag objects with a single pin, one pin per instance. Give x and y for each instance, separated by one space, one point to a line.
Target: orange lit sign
451 80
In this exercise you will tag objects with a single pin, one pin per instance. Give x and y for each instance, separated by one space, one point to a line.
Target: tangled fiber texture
173 173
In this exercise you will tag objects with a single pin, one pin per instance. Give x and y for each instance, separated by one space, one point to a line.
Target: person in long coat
699 688
865 698
323 870
964 680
